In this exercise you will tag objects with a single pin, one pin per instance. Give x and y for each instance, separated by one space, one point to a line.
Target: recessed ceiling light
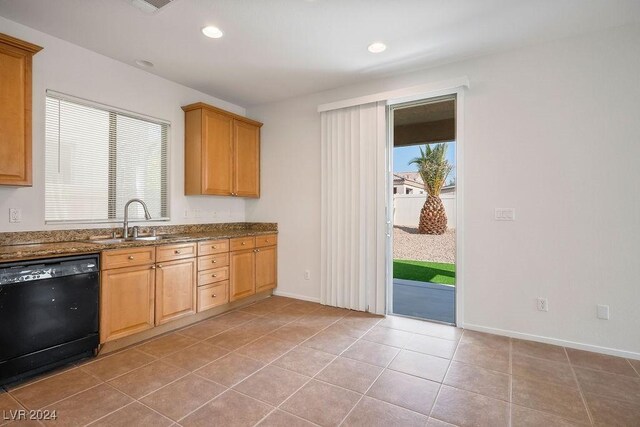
144 64
212 32
377 47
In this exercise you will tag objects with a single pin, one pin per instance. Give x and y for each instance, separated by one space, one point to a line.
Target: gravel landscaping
409 244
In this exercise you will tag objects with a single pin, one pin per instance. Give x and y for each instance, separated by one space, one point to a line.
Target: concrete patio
424 300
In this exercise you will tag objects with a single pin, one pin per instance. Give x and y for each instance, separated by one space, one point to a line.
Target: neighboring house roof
408 178
411 176
415 180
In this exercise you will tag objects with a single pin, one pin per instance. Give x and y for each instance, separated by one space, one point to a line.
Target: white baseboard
555 341
296 296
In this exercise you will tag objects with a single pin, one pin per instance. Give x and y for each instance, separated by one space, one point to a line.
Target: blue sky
403 155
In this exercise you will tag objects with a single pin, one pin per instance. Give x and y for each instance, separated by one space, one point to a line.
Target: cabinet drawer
213 295
129 257
267 240
213 261
213 247
241 243
173 252
211 276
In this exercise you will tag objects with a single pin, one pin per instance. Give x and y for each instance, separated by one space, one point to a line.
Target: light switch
603 312
505 214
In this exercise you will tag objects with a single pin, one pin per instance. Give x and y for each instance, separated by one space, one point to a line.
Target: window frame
112 215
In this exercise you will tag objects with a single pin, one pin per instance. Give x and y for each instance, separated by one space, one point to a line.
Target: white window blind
98 157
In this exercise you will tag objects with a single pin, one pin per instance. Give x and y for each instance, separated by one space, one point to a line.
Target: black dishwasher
48 314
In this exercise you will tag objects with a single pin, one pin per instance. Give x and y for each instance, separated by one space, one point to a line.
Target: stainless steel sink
112 241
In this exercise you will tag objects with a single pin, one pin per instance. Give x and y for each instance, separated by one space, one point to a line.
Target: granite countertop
44 249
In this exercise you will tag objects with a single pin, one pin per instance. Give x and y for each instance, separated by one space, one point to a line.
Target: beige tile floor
284 362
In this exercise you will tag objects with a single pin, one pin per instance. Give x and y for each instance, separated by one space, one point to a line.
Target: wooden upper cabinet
246 149
15 110
222 152
217 153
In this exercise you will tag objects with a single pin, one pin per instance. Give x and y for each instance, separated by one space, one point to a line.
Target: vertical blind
353 239
98 157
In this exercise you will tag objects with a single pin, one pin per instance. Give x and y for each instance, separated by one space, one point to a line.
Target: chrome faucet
125 231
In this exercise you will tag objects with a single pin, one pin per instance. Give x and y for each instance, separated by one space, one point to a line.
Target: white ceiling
276 49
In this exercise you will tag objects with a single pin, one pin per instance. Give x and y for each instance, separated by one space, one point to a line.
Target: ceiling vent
150 6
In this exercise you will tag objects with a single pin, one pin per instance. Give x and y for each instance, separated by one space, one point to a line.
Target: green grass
435 272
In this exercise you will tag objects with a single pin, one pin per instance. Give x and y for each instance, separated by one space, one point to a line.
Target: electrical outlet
15 215
504 214
307 275
543 304
603 312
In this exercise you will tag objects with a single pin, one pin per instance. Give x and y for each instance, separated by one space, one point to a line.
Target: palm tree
434 169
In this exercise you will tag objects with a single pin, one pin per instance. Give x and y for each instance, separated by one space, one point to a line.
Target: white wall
551 130
70 69
407 208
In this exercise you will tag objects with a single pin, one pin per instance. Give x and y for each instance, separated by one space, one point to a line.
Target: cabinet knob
244 243
159 265
131 257
176 252
257 250
213 261
214 295
214 275
153 267
213 247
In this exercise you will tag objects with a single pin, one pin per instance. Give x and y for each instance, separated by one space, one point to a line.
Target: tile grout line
575 377
317 373
374 381
263 367
421 333
633 367
134 401
193 372
233 385
435 400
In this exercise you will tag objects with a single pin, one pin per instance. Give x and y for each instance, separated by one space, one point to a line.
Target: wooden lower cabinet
175 290
266 268
252 271
127 301
210 296
149 286
242 274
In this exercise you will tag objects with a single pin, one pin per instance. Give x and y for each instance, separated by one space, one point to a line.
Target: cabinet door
242 274
175 290
217 151
246 146
126 301
15 111
266 268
